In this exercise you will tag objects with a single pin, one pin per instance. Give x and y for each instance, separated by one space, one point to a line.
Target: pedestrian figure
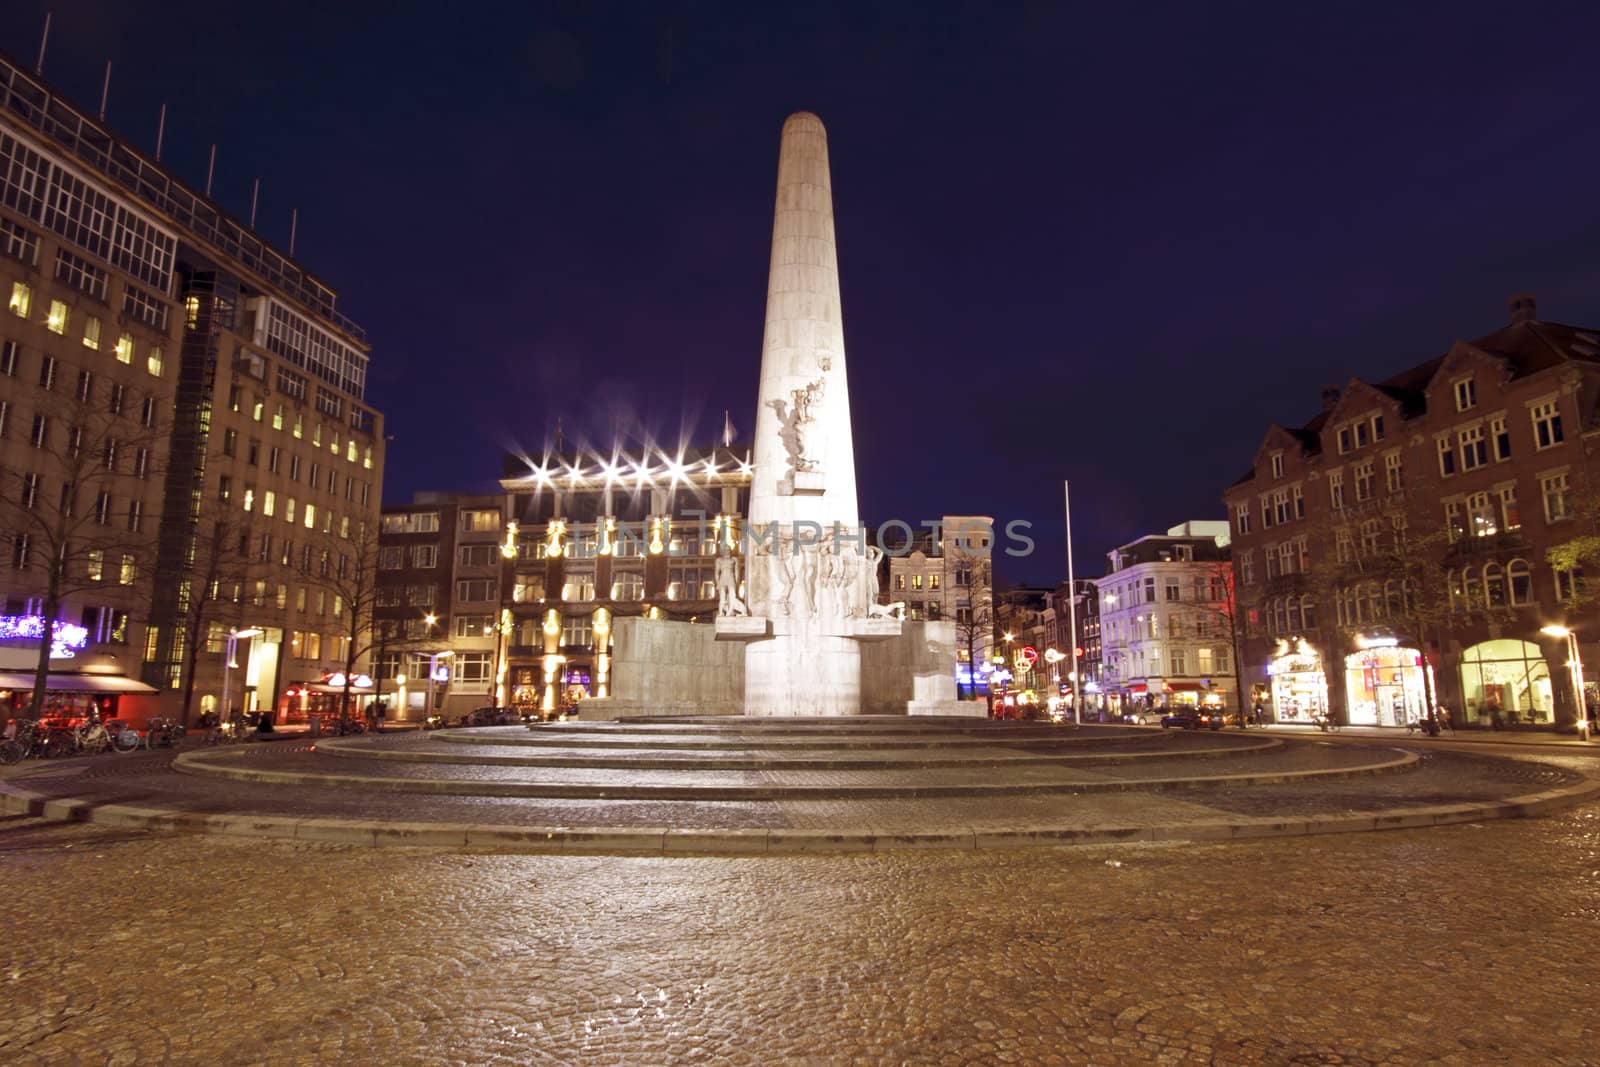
1444 719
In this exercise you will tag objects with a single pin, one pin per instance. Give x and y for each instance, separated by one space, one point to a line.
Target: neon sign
63 639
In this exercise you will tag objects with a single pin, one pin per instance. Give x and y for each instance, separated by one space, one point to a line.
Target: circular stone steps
865 761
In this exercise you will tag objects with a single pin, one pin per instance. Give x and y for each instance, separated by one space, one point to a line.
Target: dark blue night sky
1109 243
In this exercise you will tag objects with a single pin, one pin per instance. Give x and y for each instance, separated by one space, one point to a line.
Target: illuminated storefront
1508 676
1384 684
1299 687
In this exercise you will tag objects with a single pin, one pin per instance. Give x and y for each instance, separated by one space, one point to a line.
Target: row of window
254 454
100 223
100 565
52 372
260 593
1145 663
296 423
58 320
1463 450
426 556
1177 625
1211 586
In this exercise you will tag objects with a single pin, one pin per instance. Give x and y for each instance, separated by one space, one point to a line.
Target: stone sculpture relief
728 599
822 579
794 420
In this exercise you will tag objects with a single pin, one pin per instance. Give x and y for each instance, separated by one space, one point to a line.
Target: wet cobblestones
1465 945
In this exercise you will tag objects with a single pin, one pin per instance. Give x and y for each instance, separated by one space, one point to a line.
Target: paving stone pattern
1464 945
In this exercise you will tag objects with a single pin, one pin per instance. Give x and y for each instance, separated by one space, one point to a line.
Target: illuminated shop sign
63 640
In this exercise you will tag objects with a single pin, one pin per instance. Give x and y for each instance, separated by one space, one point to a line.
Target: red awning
1136 687
1184 687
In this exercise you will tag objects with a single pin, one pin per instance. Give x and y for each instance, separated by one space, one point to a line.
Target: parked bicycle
162 731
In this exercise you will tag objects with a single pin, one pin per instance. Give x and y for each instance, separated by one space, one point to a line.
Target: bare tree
77 522
1216 606
975 623
1383 573
343 564
220 583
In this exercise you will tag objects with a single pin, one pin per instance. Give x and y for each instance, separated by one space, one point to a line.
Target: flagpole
1072 610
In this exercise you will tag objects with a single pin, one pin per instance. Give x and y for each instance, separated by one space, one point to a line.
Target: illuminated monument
800 600
810 586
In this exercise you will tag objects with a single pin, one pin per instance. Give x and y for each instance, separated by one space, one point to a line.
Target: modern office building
218 391
1427 532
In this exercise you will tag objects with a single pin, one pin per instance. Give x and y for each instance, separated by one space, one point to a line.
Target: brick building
1396 544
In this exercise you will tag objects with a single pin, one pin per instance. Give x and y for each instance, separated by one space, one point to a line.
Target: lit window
154 363
21 299
56 321
125 348
311 516
130 570
91 332
277 417
269 503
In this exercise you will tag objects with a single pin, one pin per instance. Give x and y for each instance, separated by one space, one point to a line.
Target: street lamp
1575 672
227 669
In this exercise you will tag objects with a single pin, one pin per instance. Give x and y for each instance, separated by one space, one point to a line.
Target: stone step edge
671 841
211 764
345 747
462 737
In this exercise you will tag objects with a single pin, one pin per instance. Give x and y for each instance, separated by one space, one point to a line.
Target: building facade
597 537
219 394
1416 538
948 573
438 646
1165 618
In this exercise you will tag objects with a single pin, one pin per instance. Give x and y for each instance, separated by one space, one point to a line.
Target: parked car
492 717
1194 719
1139 718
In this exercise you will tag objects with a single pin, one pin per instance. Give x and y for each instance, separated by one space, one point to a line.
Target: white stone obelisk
809 578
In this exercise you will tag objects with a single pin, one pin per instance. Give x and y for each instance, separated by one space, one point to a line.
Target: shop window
1506 680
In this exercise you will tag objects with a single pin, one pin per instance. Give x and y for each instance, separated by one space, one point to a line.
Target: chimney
1330 397
1524 308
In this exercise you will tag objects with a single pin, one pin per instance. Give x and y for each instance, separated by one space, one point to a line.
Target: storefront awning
319 687
1136 687
1184 687
77 683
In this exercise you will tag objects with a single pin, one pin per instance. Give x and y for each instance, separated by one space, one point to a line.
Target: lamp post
1574 672
227 669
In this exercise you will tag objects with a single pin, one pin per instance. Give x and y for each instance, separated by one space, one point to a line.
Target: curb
212 765
670 841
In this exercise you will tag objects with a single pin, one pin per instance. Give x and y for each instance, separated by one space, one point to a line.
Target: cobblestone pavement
1463 945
